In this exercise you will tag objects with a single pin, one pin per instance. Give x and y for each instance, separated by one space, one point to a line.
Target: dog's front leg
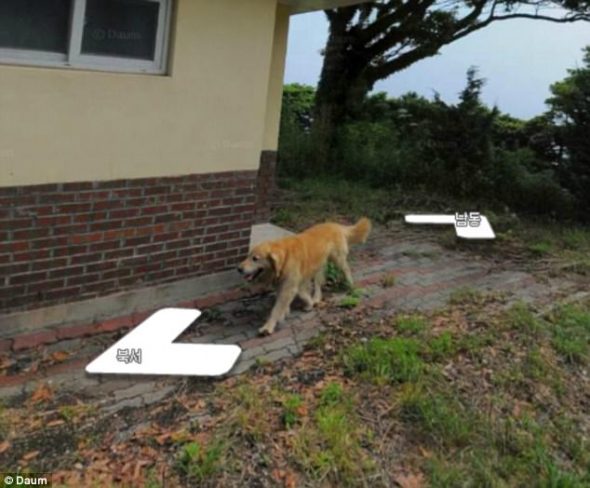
287 293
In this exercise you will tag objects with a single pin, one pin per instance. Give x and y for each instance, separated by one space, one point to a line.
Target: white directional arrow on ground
159 355
482 231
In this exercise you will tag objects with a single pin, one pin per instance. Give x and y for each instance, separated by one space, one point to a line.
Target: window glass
38 25
121 28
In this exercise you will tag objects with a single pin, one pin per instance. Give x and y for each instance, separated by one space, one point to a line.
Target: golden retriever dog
297 263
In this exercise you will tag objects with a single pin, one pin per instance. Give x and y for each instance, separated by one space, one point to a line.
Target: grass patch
293 410
521 317
329 444
541 248
250 411
439 416
197 462
570 329
335 279
383 361
411 324
441 346
388 280
352 299
465 296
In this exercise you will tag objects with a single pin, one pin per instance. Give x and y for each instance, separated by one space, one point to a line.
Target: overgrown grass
352 298
329 443
293 410
571 333
197 462
384 361
568 327
411 324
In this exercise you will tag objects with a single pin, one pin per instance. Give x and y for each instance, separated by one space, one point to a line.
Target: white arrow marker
482 231
158 355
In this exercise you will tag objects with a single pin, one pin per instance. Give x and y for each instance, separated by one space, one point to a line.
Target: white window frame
75 59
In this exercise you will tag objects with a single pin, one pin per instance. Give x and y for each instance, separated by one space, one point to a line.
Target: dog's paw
264 331
308 307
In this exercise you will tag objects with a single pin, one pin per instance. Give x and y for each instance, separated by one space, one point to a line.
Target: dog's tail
358 233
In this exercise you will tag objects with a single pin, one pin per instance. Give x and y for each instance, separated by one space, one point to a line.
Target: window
112 35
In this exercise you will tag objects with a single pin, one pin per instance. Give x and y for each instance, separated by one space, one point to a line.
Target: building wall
275 84
73 241
112 181
208 115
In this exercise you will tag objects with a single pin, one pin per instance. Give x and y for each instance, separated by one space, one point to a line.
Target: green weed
388 280
441 346
292 410
521 317
198 462
335 279
352 299
411 324
571 333
329 444
440 416
385 360
464 296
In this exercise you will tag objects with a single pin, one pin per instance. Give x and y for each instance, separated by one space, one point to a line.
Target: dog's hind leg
318 281
342 263
286 294
304 294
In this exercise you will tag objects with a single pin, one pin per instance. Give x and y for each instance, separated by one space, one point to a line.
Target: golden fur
297 263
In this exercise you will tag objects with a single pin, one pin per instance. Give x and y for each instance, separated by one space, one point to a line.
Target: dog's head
263 257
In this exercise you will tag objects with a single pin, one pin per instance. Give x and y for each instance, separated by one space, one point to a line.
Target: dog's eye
254 258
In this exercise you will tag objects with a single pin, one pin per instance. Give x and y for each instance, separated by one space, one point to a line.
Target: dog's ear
277 259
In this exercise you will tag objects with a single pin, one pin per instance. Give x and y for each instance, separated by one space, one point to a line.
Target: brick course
74 241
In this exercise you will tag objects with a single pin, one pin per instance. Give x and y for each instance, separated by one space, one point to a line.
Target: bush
466 150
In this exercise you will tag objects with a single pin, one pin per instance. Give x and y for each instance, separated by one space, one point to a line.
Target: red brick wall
71 241
266 185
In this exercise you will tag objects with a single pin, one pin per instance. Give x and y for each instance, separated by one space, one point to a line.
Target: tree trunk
341 88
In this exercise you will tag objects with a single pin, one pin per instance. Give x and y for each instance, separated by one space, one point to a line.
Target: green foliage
197 462
438 415
335 278
352 299
571 333
441 346
570 109
465 295
464 150
520 317
329 444
292 408
332 394
295 145
412 324
382 361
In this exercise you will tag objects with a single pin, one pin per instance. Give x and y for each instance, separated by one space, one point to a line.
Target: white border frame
77 60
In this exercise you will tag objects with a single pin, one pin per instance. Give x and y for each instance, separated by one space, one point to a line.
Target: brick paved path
425 276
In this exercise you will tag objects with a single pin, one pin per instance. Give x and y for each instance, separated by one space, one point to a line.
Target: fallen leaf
60 356
30 455
410 480
41 394
4 446
290 480
55 423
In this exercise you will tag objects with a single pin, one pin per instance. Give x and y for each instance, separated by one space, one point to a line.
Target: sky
519 59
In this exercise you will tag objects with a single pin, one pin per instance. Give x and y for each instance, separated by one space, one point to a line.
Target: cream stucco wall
277 74
209 114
